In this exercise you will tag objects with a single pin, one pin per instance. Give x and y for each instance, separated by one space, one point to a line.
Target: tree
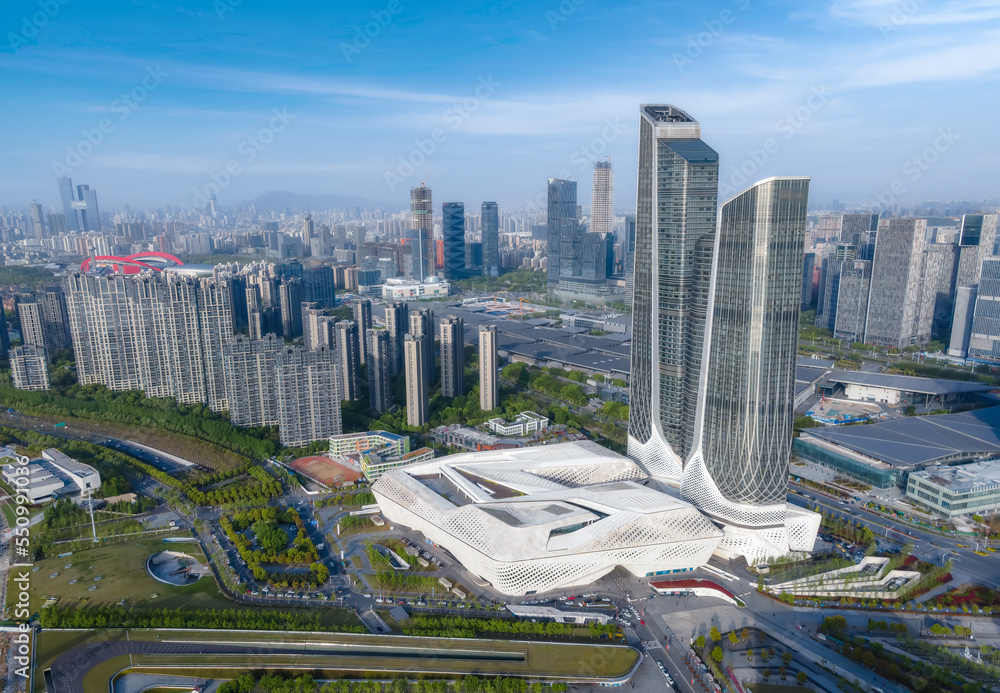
745 634
782 671
786 657
766 673
700 642
801 677
717 654
749 655
733 639
715 635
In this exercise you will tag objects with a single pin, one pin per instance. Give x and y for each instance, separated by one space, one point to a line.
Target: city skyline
813 91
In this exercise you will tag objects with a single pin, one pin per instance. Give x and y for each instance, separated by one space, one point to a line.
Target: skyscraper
489 386
291 295
363 317
397 322
602 217
452 356
977 241
491 239
715 322
674 239
348 358
738 472
561 220
66 197
421 232
629 257
308 395
379 373
896 297
422 326
453 228
248 365
984 334
416 383
312 325
38 220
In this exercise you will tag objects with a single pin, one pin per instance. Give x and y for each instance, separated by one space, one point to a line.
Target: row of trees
460 627
347 500
261 486
278 683
238 619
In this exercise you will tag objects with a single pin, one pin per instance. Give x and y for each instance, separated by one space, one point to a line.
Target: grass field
311 653
122 568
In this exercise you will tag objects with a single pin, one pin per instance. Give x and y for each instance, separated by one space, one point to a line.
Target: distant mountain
281 200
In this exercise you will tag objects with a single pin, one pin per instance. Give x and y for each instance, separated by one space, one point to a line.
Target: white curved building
549 517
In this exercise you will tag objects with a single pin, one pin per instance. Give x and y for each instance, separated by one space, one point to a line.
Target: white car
368 596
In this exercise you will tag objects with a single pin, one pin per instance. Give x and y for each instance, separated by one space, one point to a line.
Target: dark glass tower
491 239
453 228
561 217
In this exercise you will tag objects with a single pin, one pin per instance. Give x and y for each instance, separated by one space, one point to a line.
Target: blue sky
494 97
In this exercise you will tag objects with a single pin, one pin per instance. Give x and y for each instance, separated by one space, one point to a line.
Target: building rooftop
665 113
964 478
908 383
920 440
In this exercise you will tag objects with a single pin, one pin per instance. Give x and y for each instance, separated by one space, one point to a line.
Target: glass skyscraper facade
453 229
561 220
491 239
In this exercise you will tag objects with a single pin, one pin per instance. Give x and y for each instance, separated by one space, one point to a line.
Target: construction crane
423 183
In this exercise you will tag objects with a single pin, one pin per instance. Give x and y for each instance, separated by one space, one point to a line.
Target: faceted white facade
549 517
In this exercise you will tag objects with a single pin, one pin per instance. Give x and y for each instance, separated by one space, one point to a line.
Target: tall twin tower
715 329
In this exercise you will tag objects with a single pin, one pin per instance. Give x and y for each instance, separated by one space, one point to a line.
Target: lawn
122 568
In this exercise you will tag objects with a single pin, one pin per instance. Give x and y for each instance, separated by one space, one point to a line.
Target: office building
248 365
977 241
28 367
852 301
421 235
397 322
66 197
602 206
363 318
319 285
967 489
38 220
715 322
452 356
738 471
453 228
490 240
561 220
416 382
984 333
422 326
308 395
896 299
348 354
379 371
489 363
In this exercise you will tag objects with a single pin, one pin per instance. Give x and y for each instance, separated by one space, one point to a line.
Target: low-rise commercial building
968 489
400 289
526 423
376 452
459 436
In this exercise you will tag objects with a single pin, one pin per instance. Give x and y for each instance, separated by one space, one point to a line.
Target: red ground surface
325 471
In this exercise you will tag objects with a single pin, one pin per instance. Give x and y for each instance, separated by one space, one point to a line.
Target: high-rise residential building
489 383
674 239
422 326
984 334
416 383
826 312
977 241
491 239
319 285
602 205
715 323
29 318
57 223
363 317
348 357
308 231
452 356
308 395
4 336
313 327
397 322
28 367
896 298
379 371
38 220
453 231
422 232
561 221
291 295
248 365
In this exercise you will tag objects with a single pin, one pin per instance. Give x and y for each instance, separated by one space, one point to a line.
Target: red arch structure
133 264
